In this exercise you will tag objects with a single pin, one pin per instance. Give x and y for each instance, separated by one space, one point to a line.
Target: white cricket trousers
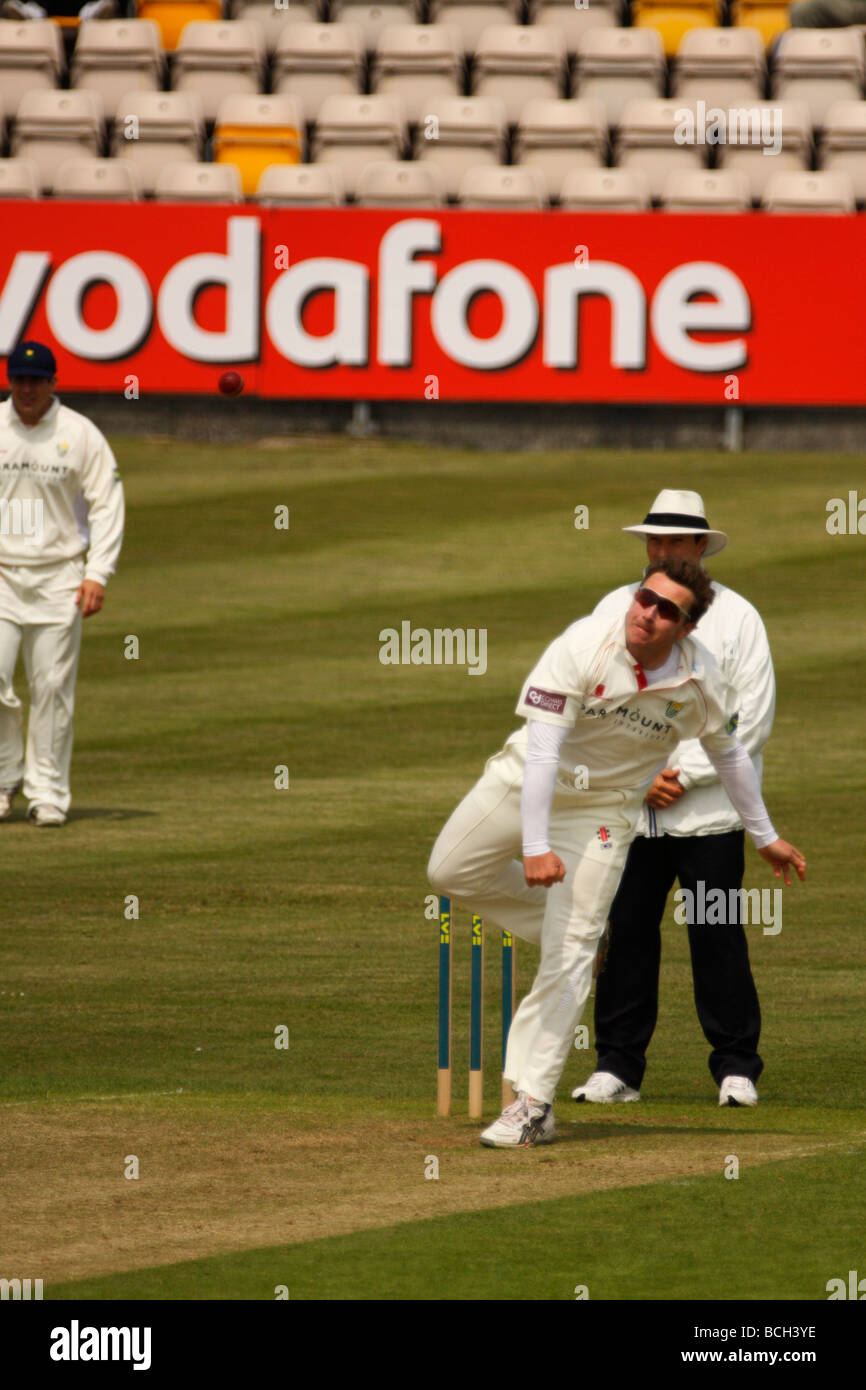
39 617
477 862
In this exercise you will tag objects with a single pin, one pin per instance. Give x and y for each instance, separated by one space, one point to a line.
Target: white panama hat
676 513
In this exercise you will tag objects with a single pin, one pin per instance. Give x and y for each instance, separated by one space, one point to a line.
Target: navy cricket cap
31 359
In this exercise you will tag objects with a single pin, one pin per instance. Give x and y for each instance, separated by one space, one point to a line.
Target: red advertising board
364 304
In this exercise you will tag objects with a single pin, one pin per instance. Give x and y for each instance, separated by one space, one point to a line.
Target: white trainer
737 1090
6 795
604 1088
524 1121
43 815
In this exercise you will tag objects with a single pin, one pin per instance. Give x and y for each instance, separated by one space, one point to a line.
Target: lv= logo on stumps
476 1011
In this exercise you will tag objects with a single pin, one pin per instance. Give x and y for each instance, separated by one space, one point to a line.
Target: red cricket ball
231 383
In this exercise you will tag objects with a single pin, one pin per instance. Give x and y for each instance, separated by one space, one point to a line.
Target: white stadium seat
54 126
502 187
648 140
557 135
203 183
706 190
314 61
519 63
471 17
219 59
415 63
152 129
114 57
605 190
354 131
819 67
573 21
300 185
106 179
19 178
275 19
615 66
371 20
803 191
31 56
843 144
722 67
784 125
399 184
461 133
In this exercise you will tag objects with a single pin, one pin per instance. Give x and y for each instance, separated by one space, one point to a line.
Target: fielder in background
605 707
61 529
688 830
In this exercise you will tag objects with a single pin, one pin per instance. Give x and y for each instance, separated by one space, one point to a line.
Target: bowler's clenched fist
543 869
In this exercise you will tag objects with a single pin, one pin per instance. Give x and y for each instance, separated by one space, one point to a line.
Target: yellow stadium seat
253 133
672 20
172 16
769 17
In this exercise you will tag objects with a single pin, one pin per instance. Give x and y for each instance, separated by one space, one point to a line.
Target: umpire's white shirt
65 463
733 631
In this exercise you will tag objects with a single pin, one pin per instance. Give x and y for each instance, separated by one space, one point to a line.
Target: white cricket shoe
43 815
6 795
737 1090
524 1121
605 1088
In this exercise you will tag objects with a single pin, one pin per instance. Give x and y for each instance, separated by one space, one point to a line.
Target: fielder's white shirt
65 463
732 630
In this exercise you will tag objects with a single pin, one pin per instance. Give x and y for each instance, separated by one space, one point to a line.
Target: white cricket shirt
732 630
66 464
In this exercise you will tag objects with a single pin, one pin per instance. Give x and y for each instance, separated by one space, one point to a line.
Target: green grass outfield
152 1038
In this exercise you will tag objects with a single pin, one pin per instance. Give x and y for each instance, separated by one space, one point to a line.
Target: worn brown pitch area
213 1181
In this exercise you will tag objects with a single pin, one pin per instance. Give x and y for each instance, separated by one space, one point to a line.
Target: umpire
61 529
688 831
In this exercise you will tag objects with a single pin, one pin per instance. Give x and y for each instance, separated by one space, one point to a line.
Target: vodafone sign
445 305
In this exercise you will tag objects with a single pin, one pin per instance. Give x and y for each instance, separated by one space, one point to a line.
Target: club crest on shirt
672 709
62 447
604 835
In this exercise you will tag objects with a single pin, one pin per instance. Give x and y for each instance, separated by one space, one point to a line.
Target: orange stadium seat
769 17
673 18
172 16
31 56
253 132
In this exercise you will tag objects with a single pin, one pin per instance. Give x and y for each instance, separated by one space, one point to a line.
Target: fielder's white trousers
39 617
477 862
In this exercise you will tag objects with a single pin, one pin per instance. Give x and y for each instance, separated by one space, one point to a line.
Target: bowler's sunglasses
648 598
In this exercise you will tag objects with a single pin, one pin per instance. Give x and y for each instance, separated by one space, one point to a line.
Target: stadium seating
204 183
649 140
253 132
105 179
843 144
471 17
31 56
722 67
491 186
605 190
416 62
517 63
276 18
218 61
700 190
769 17
371 20
352 132
114 57
671 19
615 66
54 126
300 185
460 134
400 184
152 129
314 61
819 67
801 192
172 16
787 122
573 20
19 178
558 135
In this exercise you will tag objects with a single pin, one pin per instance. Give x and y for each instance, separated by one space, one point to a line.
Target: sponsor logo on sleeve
672 709
731 726
543 699
604 835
